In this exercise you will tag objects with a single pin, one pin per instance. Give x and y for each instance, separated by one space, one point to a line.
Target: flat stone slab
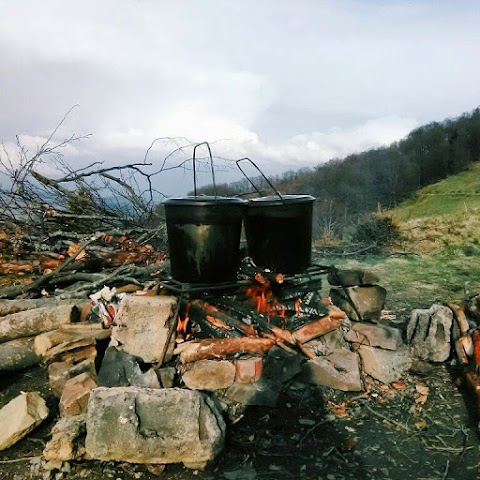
20 416
339 370
375 336
142 325
142 425
209 375
385 365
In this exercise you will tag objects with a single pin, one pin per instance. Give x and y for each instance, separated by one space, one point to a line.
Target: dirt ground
422 427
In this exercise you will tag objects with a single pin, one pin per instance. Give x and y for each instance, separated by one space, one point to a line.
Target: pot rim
285 200
203 201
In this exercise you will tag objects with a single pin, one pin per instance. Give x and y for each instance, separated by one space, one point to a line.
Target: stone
375 336
281 366
428 333
331 341
339 370
248 370
166 376
20 416
68 439
263 392
350 278
120 369
368 301
209 375
385 365
75 395
60 372
142 326
143 425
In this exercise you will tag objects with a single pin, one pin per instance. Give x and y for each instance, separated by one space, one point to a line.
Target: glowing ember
298 310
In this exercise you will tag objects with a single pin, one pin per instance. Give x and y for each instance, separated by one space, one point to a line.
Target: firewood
8 307
227 319
316 329
464 327
56 353
34 322
68 333
211 348
75 355
18 354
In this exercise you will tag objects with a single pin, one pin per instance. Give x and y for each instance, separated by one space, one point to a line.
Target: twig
447 467
18 460
394 422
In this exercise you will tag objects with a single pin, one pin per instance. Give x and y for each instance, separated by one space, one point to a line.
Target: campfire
210 348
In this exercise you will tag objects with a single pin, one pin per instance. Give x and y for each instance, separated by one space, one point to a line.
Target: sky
289 84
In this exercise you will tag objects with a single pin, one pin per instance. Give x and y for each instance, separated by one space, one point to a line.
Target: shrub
378 229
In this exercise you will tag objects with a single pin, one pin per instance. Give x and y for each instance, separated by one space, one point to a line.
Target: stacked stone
363 346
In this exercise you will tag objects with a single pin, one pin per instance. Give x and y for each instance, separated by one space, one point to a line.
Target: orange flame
182 323
262 295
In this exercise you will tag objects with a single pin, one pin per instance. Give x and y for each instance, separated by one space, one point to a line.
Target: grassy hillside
444 217
455 195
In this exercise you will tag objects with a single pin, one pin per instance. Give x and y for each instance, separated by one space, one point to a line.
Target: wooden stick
316 329
210 348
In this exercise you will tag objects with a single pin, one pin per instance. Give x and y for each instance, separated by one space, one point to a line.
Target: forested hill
381 177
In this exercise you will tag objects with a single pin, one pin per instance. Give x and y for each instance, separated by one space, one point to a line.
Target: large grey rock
209 375
339 370
375 336
120 369
20 416
142 325
68 439
385 365
428 333
363 300
143 425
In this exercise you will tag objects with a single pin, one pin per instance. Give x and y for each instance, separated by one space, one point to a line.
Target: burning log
230 322
320 327
249 271
211 348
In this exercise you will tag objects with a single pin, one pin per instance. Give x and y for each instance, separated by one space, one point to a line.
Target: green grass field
457 194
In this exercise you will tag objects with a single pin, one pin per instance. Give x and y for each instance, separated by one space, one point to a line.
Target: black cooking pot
279 232
204 237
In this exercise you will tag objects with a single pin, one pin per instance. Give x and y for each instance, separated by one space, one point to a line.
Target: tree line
379 178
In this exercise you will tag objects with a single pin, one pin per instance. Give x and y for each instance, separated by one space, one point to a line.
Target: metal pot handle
264 177
195 171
